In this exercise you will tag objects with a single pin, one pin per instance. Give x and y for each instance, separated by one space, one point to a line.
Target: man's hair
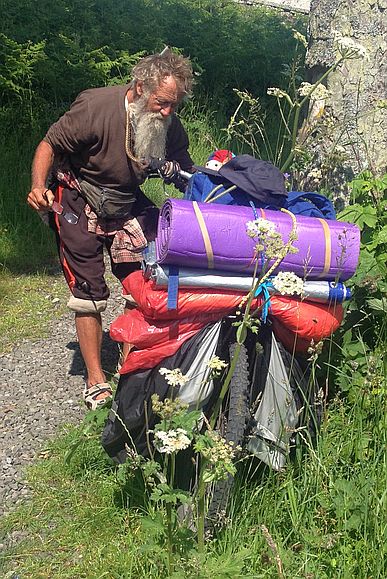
153 69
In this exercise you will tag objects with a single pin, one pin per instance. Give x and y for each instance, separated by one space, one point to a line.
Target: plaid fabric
129 239
68 179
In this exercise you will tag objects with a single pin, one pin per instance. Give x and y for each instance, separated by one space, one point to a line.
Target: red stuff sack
296 323
153 302
154 340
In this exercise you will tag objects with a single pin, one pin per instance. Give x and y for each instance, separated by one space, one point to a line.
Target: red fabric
296 323
157 332
154 339
153 302
221 155
290 340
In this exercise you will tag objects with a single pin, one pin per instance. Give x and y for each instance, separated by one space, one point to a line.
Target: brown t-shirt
92 136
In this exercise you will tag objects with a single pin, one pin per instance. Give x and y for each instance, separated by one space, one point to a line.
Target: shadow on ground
110 355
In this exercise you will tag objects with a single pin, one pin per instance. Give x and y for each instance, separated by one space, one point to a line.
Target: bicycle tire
238 413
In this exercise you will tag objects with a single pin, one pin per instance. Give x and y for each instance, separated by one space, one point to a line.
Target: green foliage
324 516
370 281
359 361
55 51
18 66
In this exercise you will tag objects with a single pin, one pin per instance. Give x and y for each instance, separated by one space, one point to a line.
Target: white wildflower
277 92
317 92
216 363
315 175
259 227
304 88
174 377
288 283
300 38
171 441
219 450
315 350
349 48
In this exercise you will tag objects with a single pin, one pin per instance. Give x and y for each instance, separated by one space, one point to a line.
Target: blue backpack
212 188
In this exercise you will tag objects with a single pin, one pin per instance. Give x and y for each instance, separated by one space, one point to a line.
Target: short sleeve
73 130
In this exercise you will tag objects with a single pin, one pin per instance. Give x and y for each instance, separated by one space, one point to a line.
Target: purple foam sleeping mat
213 236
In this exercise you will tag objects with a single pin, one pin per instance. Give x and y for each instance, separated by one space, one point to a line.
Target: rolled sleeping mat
212 236
314 291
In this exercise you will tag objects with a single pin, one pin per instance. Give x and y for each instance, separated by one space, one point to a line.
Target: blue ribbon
263 289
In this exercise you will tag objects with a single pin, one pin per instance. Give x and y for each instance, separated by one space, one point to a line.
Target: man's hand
161 168
169 169
40 198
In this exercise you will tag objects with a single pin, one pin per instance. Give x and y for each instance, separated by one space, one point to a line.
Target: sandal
91 393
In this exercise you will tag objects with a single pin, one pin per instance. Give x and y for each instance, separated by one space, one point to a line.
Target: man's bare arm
40 197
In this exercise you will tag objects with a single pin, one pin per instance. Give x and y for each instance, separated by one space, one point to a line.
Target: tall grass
25 242
323 517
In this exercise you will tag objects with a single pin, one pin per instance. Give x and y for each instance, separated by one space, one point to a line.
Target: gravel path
41 388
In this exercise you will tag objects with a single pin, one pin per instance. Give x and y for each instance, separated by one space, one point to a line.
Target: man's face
164 99
152 117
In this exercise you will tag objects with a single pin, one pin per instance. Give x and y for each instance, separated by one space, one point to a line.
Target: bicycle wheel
232 427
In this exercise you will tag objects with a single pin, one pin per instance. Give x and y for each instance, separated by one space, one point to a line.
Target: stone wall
288 5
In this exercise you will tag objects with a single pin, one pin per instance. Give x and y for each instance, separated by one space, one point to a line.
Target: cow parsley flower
349 48
277 92
168 408
216 364
315 91
174 377
260 227
315 175
288 283
219 454
171 441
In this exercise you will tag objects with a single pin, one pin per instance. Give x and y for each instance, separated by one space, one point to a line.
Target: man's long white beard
150 131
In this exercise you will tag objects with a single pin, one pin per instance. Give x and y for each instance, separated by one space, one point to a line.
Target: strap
251 203
173 287
206 237
328 247
212 192
219 195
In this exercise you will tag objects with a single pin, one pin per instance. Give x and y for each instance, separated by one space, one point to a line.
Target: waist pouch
107 203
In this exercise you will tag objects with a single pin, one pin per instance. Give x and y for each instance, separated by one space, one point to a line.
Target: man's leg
89 331
81 255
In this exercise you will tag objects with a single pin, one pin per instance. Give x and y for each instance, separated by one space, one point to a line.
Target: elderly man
87 170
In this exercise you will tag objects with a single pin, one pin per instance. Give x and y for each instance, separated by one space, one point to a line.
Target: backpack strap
173 287
205 235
